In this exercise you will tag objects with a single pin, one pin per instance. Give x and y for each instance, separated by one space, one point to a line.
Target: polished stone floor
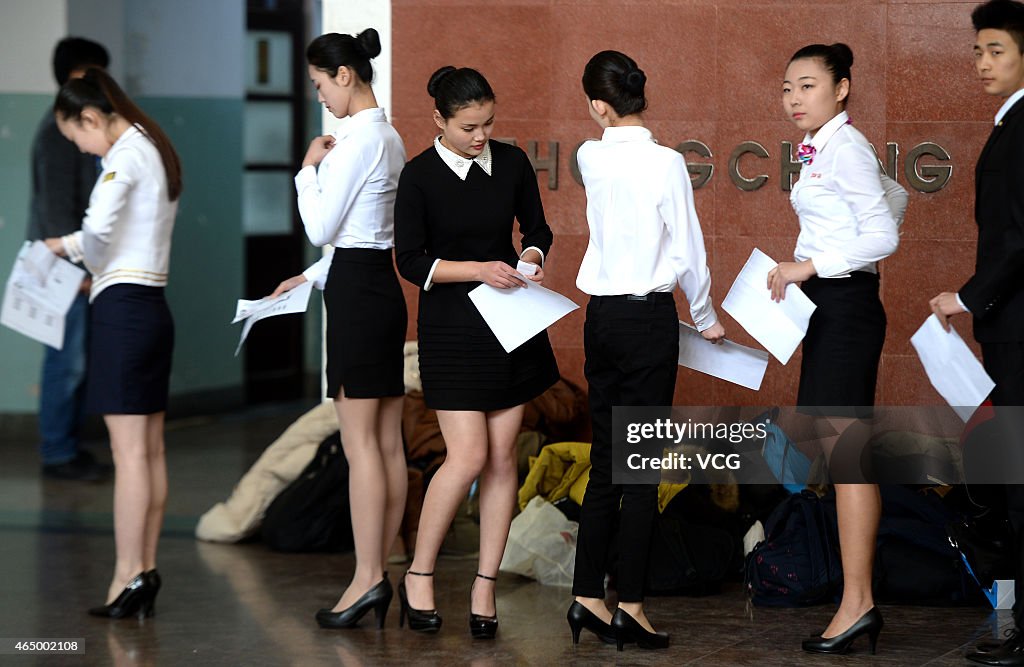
245 605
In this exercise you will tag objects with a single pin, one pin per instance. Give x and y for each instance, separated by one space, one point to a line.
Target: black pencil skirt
131 339
366 322
843 344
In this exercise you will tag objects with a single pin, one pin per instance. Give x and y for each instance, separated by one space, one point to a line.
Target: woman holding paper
848 222
125 242
346 192
454 218
644 240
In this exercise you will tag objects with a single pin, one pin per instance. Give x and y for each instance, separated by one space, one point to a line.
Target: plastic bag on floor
542 545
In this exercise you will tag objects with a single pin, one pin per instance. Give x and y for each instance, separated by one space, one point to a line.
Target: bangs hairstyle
329 52
1001 15
98 90
614 78
454 89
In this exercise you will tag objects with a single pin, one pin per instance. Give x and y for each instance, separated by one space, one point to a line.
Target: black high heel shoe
869 624
377 598
580 617
628 629
135 600
482 627
420 620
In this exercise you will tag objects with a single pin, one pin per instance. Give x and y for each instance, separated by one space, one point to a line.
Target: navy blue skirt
843 344
131 339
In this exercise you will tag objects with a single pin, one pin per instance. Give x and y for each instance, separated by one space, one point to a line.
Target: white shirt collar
827 131
460 165
1008 104
350 123
627 133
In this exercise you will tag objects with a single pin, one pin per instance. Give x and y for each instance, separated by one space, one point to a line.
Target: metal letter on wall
738 179
550 163
700 172
927 178
574 166
788 167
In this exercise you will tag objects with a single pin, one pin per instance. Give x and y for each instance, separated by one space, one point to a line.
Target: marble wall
714 74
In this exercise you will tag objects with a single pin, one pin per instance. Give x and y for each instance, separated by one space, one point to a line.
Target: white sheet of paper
778 326
518 314
293 301
728 361
39 293
952 368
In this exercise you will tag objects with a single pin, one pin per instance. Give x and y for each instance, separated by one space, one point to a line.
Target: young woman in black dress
454 215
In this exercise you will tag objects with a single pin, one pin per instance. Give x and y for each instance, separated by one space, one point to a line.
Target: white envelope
779 327
952 368
728 361
517 314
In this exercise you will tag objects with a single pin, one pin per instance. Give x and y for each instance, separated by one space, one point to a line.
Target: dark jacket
62 180
995 293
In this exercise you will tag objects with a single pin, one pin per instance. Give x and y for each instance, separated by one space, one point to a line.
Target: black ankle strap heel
482 627
420 620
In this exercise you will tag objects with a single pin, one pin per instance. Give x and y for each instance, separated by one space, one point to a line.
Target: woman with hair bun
849 212
346 192
644 240
454 214
125 243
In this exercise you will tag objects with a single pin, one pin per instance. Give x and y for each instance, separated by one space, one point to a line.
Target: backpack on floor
798 562
687 558
312 513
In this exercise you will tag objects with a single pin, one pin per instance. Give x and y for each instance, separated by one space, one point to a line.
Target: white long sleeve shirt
644 232
349 200
848 216
126 234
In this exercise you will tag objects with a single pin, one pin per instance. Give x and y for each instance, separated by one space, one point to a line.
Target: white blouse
349 200
848 216
126 233
644 232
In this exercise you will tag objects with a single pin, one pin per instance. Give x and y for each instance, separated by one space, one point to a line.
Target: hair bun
369 42
843 53
436 78
634 81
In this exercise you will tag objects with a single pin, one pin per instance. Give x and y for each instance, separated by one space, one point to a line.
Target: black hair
614 78
837 58
73 53
329 52
454 89
1001 15
98 90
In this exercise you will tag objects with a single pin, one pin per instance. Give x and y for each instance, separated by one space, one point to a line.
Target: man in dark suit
994 295
62 180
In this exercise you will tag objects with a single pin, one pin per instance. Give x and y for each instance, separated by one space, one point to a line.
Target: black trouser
632 352
1004 363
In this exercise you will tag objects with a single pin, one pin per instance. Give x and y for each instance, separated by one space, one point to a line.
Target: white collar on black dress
460 165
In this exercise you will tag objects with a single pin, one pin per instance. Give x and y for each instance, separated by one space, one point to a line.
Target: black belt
646 298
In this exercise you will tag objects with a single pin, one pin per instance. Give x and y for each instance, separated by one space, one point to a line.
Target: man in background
62 180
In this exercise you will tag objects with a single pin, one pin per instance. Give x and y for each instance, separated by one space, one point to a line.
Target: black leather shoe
377 598
420 620
989 645
580 617
627 629
1010 652
83 468
869 624
482 627
135 600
